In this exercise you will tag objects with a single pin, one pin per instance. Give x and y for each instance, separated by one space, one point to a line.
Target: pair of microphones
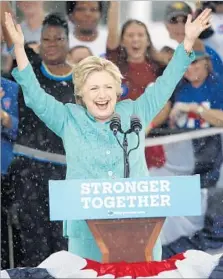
135 125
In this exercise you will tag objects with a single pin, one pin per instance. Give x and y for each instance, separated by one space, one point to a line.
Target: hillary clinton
91 148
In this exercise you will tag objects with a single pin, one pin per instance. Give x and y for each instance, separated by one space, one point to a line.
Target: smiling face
99 94
135 39
54 45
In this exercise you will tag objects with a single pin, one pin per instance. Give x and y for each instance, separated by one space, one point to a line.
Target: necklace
46 72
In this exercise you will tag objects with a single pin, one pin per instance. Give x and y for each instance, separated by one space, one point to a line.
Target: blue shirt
207 151
217 63
9 104
91 148
209 94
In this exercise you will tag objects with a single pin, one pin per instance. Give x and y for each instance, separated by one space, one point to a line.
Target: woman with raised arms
91 149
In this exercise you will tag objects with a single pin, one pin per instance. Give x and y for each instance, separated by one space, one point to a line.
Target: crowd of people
54 43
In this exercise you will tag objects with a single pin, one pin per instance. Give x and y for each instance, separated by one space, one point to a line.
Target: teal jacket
91 148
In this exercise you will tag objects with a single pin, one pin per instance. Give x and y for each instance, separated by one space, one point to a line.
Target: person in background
6 59
9 126
34 46
167 53
175 19
31 173
210 37
199 104
34 14
86 16
78 53
217 21
140 64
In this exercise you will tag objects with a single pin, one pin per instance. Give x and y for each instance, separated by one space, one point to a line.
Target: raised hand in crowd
14 30
17 37
5 7
194 28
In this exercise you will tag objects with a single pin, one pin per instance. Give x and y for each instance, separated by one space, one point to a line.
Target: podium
130 240
125 216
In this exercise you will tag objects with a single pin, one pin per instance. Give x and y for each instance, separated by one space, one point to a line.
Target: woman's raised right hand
14 30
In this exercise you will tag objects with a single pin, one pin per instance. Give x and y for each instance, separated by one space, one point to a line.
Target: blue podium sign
125 198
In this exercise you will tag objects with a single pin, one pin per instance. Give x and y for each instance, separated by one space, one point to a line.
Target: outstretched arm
156 96
50 111
113 25
5 7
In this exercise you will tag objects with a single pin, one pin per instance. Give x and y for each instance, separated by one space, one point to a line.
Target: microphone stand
126 153
115 126
126 157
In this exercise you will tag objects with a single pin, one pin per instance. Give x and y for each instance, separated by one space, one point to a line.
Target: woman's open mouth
102 105
136 48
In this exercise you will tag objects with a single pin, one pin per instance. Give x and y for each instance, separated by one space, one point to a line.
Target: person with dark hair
39 149
140 64
85 17
78 53
167 53
55 19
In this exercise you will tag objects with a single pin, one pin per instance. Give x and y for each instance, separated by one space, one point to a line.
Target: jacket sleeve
150 103
45 106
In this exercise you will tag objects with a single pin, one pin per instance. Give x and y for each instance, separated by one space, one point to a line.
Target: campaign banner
125 198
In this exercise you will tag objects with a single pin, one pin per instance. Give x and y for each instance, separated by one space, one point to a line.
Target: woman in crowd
140 64
133 52
84 128
39 150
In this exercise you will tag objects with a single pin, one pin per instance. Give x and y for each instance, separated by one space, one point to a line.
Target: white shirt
98 46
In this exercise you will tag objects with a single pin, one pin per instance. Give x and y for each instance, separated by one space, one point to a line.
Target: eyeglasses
176 20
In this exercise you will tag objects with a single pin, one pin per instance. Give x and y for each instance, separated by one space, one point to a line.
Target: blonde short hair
91 64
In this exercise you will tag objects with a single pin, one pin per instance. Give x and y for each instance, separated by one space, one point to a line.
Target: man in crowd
85 17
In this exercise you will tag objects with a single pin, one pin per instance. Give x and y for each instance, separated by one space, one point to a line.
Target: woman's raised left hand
193 29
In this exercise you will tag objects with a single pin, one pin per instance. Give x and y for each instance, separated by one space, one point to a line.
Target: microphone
115 124
135 124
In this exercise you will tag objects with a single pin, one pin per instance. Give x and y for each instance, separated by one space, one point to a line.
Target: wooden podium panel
130 240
